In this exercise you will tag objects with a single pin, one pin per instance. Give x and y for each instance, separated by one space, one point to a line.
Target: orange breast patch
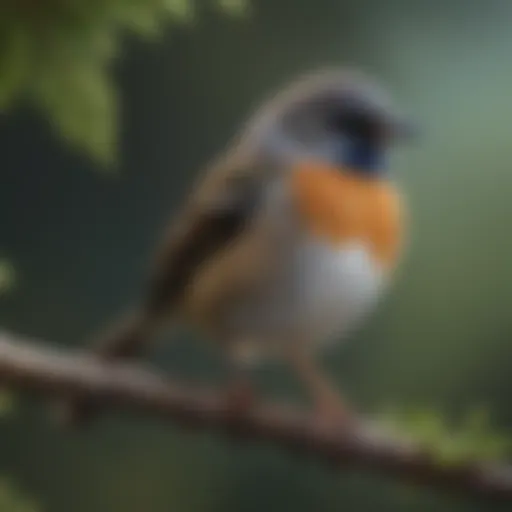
340 207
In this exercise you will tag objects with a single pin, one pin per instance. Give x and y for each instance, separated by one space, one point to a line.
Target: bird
285 243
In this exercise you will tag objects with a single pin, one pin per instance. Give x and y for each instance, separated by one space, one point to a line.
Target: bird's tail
123 340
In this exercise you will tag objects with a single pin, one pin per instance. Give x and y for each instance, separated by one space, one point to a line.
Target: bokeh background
80 239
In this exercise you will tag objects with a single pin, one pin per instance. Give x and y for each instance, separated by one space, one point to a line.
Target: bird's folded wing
204 238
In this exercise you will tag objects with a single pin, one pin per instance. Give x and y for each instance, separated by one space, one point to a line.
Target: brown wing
216 214
194 250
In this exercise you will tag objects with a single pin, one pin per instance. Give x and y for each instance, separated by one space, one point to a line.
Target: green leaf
62 60
81 104
472 438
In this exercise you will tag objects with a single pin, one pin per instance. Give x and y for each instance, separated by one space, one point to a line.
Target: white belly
321 294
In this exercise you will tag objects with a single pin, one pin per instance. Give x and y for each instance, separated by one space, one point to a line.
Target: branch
33 367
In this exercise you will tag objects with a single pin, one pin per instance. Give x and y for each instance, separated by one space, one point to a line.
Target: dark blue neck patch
363 156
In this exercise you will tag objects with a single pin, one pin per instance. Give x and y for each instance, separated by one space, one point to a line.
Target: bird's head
337 117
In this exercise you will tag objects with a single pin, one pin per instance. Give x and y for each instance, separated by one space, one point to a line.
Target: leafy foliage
471 439
56 54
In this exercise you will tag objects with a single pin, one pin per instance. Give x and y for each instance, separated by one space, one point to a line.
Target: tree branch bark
34 367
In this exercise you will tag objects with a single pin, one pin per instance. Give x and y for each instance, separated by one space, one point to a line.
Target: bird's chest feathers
343 209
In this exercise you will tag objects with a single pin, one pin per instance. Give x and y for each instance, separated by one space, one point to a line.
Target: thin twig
35 367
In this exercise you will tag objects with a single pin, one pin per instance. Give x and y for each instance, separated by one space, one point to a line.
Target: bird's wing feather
215 216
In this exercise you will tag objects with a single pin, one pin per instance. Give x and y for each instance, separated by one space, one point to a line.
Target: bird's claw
335 419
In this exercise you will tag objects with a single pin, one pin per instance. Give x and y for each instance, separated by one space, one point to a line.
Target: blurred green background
80 238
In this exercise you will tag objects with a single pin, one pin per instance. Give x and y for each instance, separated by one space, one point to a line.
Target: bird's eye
355 123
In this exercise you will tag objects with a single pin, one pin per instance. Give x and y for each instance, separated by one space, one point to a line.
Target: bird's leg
331 409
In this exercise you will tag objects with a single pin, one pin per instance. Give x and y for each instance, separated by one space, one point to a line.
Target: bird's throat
363 157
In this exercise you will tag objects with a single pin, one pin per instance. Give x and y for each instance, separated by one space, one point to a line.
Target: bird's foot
335 417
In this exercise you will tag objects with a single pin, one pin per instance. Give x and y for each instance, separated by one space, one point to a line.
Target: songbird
287 241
